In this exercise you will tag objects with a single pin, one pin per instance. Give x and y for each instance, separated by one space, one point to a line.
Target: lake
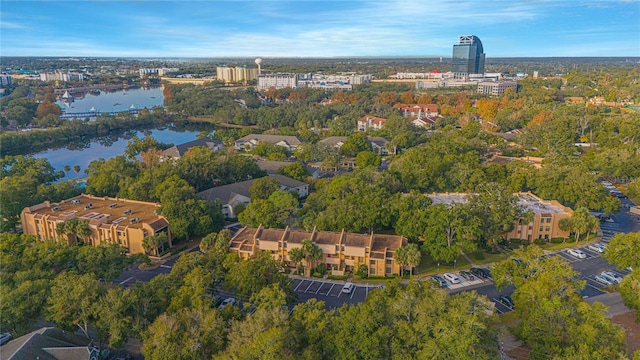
119 100
112 147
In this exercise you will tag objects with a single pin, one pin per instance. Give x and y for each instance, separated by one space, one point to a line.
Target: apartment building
370 122
277 81
417 111
547 215
250 141
238 74
111 220
341 251
496 88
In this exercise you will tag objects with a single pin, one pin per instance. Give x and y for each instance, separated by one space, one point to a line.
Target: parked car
4 338
439 281
603 279
228 302
481 272
216 300
506 300
348 288
452 278
467 275
577 253
596 247
615 277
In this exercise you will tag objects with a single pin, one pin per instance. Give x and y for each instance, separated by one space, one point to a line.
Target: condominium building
111 220
341 251
496 88
277 81
546 215
5 79
61 76
238 74
250 141
370 122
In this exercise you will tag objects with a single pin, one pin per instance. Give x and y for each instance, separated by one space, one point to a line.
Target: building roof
380 141
179 150
334 140
417 107
47 343
227 193
272 139
287 181
357 240
101 210
272 167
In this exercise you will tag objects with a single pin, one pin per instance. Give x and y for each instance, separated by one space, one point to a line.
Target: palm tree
66 169
148 244
61 229
296 255
413 256
70 227
565 224
83 230
76 169
400 256
312 253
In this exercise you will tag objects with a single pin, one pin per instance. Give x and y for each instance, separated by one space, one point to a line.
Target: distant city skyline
272 28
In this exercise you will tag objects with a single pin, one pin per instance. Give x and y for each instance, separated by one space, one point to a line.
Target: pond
111 146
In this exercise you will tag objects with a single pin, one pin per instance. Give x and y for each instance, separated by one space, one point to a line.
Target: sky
305 28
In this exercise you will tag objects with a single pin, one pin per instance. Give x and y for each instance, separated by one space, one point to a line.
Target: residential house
232 195
250 141
111 220
379 145
177 151
370 122
417 111
341 251
50 343
424 122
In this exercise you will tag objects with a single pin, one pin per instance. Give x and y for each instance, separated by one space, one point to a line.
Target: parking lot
330 292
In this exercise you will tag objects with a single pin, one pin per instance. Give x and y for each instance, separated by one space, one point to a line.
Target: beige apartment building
111 220
546 215
341 251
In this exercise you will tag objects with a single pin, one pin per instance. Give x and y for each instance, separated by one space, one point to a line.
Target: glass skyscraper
468 56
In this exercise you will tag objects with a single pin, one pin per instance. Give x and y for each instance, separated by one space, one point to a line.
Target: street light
454 264
438 267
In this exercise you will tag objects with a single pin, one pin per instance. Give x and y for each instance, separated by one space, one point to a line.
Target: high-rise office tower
468 56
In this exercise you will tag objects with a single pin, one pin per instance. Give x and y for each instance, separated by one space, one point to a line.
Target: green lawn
488 258
429 267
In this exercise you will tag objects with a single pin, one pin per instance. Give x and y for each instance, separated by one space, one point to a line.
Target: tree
367 158
263 187
449 230
188 214
296 255
355 143
581 221
553 318
83 230
408 255
296 170
66 169
312 253
623 251
186 334
259 212
76 169
114 316
72 302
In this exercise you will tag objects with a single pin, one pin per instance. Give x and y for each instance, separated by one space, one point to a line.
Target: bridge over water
92 114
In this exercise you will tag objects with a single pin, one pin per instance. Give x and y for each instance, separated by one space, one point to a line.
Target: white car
613 276
603 279
577 253
452 278
347 288
596 247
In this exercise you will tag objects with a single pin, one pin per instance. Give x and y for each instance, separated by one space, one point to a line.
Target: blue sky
272 28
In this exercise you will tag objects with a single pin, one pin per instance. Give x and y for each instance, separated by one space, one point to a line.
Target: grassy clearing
428 266
488 258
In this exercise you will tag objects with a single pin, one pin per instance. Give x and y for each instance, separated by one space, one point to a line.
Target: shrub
363 271
539 241
478 255
337 277
557 240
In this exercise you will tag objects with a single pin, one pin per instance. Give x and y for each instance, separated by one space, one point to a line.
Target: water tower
258 62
